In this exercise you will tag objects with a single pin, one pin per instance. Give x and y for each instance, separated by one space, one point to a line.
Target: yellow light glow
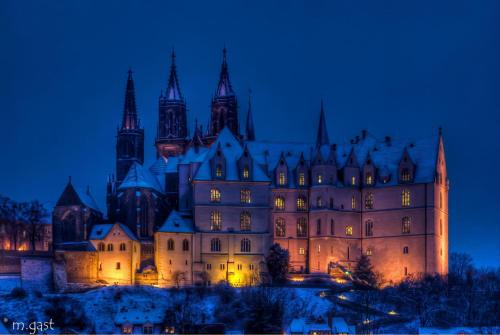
297 279
322 294
342 297
393 313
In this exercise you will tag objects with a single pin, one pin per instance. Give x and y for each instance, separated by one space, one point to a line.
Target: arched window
214 195
280 227
405 198
245 221
245 196
301 203
405 225
301 227
319 202
215 221
215 245
318 227
110 247
170 244
123 247
185 245
369 200
218 170
101 246
369 228
405 250
348 230
245 245
279 203
332 227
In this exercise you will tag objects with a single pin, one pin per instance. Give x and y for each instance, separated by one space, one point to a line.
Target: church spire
173 88
322 137
249 128
130 119
224 87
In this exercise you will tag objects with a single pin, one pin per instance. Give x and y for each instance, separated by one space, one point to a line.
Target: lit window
281 178
405 250
301 203
214 195
110 247
245 221
319 248
280 227
215 245
302 179
319 202
319 178
369 179
170 244
215 221
279 203
123 247
246 172
405 198
245 245
348 230
353 202
218 170
369 201
301 227
245 196
369 252
369 228
185 245
353 180
405 225
318 227
301 251
405 175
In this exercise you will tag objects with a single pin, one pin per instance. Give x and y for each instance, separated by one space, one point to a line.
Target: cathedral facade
210 206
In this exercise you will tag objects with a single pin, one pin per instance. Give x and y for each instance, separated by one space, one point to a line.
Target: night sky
395 68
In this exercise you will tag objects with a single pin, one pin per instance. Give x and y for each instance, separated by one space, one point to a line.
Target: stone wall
36 273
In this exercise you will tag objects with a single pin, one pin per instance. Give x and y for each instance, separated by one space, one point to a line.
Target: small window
369 228
319 202
110 247
215 221
332 227
348 230
318 227
302 179
405 198
245 221
301 203
246 172
185 245
245 196
405 175
214 195
215 245
353 180
118 265
245 245
405 225
279 203
405 250
319 178
123 247
240 267
353 202
102 247
280 227
441 200
222 266
281 179
440 227
301 251
369 252
301 227
218 170
369 200
251 267
406 271
368 179
170 244
209 266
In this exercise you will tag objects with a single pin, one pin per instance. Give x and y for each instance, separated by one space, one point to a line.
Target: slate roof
140 177
100 231
177 223
74 196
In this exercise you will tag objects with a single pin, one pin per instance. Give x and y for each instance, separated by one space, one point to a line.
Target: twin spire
224 88
322 136
130 120
173 88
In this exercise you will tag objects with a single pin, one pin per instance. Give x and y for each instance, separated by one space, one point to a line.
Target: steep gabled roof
140 177
177 223
72 196
101 231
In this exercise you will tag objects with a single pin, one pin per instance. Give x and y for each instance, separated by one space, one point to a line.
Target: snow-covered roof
100 231
140 177
232 151
88 200
303 326
340 326
177 223
139 315
75 246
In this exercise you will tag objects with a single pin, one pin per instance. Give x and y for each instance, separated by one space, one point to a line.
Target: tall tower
130 137
171 138
224 105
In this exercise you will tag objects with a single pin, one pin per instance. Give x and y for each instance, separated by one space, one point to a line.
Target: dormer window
369 179
281 179
302 179
353 181
218 170
246 172
319 178
405 175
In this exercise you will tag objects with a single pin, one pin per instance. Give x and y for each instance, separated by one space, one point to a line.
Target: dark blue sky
393 67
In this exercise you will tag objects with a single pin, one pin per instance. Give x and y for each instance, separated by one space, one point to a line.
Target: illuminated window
319 178
319 202
405 175
318 227
369 179
301 203
245 196
281 178
127 329
301 251
353 202
332 227
185 245
369 252
405 225
369 201
215 221
218 170
110 247
369 228
302 179
245 245
301 227
405 198
318 249
245 221
215 245
280 227
353 180
279 203
348 230
170 244
102 246
246 172
123 247
214 195
405 250
118 265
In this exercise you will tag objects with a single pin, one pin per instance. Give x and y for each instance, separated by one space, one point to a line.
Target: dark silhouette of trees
277 263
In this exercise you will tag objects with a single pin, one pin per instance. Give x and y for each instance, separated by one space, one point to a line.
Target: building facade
208 209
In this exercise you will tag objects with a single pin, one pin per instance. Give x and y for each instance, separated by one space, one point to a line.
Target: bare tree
34 214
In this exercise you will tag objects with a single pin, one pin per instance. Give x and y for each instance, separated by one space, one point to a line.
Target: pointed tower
322 137
171 138
224 105
130 137
249 127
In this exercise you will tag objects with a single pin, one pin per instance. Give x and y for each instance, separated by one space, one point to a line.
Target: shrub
18 293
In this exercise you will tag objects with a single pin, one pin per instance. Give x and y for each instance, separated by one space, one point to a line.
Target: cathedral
211 205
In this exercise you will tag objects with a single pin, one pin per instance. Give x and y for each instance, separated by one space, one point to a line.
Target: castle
208 209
